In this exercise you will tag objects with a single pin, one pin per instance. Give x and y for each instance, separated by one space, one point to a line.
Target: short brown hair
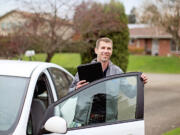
104 39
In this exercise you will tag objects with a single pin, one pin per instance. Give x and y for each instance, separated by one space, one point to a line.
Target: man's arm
118 70
144 78
76 84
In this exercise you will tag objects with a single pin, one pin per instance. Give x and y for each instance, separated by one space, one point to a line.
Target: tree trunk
49 56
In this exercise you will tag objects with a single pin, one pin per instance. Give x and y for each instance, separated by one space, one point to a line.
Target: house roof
14 13
147 31
31 14
25 14
131 26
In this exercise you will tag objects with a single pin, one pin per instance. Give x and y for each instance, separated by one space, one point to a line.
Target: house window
131 41
174 47
3 27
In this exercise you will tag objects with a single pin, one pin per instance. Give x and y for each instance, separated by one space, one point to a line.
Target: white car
34 100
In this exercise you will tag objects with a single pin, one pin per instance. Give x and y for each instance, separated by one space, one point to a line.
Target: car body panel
129 128
126 127
17 68
24 68
31 70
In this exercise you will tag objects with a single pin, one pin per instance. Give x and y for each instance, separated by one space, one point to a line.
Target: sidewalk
162 103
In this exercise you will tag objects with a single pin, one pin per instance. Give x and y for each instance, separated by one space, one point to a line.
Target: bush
88 55
73 71
135 50
120 49
115 27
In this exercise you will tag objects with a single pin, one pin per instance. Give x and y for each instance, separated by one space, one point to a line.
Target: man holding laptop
103 49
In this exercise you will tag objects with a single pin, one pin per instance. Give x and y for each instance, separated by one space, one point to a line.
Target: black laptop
90 72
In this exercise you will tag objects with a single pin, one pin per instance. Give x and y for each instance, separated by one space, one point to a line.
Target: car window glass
61 81
41 100
108 101
42 90
12 91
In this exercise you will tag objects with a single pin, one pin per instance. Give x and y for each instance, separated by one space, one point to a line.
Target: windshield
12 90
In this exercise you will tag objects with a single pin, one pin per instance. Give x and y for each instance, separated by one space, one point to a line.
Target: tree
6 49
94 20
15 40
20 43
46 28
164 14
132 16
14 44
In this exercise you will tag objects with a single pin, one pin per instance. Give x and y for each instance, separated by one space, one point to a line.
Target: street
162 103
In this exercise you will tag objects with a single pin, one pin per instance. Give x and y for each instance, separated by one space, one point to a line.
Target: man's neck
104 65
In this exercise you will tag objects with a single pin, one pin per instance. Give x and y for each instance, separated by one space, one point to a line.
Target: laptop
90 72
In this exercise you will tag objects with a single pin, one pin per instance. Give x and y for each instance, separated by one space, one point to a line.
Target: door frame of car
139 107
25 111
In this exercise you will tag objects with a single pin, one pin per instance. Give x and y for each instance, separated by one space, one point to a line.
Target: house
147 39
42 32
15 19
11 21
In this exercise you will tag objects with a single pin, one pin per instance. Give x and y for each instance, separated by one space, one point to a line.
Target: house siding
149 44
146 37
146 44
142 43
164 47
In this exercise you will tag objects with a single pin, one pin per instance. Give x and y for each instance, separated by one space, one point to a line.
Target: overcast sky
8 5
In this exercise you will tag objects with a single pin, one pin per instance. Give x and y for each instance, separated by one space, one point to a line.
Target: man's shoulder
116 68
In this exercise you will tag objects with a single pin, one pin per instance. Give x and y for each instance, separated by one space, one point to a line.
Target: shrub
135 50
113 24
73 71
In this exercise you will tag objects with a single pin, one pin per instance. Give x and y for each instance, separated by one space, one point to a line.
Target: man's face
104 51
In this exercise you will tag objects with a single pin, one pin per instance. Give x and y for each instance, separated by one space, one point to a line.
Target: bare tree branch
164 14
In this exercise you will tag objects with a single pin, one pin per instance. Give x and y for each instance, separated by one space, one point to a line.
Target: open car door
110 106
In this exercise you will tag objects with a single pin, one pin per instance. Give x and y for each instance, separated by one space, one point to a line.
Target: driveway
162 103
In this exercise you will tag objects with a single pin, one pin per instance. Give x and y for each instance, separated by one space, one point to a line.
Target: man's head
103 49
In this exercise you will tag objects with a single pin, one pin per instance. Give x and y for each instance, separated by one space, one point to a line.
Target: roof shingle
148 32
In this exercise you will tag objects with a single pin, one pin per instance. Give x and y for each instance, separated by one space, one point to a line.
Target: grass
148 64
37 57
173 132
154 64
69 60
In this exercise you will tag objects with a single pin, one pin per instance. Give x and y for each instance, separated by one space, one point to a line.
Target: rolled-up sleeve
73 84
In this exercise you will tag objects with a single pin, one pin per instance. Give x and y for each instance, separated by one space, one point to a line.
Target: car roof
19 68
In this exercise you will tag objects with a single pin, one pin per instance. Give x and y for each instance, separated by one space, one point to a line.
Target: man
103 49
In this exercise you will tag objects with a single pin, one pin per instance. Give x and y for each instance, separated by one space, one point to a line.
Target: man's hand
81 83
144 78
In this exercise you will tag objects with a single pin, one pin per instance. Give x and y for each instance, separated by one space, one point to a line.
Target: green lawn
173 132
37 57
69 60
148 64
154 64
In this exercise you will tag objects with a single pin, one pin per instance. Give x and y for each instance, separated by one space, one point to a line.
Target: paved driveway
162 103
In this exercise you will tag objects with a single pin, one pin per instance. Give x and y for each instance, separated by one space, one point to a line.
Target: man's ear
95 50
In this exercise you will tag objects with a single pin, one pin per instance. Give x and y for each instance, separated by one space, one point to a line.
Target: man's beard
105 60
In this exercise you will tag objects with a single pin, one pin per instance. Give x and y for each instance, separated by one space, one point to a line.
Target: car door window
42 98
61 81
110 100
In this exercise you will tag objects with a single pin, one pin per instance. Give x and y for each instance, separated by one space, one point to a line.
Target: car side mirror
56 124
